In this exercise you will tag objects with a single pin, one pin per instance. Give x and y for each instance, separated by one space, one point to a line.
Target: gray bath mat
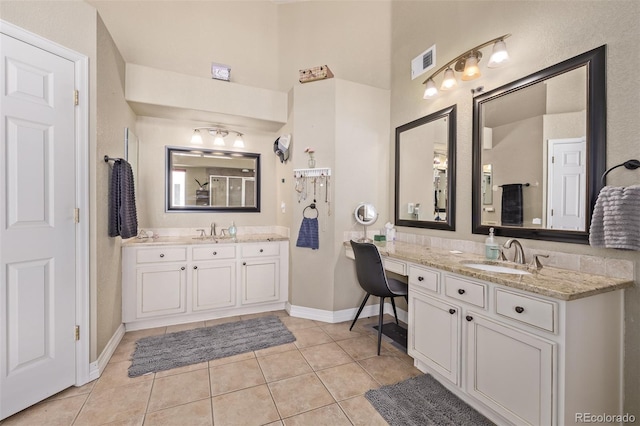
423 401
158 353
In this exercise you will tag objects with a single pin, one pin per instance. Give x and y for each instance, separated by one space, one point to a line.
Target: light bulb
239 142
449 81
431 90
196 138
471 69
499 56
218 140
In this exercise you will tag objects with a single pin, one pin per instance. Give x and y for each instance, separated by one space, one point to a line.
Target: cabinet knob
161 254
182 269
452 311
261 250
519 309
460 291
195 267
420 278
469 318
215 253
244 263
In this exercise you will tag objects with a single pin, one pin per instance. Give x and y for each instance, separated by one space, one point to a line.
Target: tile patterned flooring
320 379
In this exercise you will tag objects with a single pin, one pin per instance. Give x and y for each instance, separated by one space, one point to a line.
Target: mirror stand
365 214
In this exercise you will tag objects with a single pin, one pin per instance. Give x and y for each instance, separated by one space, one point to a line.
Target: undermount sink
500 269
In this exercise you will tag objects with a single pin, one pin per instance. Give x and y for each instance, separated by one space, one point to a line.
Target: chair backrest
370 270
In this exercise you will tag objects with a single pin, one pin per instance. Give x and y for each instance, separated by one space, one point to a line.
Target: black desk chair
374 281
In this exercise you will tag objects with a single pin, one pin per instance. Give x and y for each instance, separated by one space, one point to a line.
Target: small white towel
616 218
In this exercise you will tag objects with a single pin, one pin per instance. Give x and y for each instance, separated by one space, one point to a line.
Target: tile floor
320 379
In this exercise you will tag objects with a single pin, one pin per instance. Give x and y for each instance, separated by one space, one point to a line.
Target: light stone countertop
189 240
557 283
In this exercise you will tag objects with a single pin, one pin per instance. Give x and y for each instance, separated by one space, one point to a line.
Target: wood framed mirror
205 180
543 138
425 171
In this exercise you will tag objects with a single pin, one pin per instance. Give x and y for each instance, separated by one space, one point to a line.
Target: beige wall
240 34
157 133
544 33
113 115
352 37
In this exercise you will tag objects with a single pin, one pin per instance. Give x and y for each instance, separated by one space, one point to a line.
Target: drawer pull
420 278
161 254
460 291
195 267
452 311
519 309
182 269
215 253
469 318
244 263
261 250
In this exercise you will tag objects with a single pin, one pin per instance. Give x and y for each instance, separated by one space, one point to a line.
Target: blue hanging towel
308 235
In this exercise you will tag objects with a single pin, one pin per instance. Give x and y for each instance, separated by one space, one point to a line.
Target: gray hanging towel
616 218
511 205
308 235
123 218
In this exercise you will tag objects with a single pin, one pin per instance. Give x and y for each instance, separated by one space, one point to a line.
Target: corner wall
113 115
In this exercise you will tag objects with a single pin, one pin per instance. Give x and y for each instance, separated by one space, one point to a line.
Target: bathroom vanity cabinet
519 357
528 358
169 284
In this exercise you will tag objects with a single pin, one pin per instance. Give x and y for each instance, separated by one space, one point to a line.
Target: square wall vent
423 62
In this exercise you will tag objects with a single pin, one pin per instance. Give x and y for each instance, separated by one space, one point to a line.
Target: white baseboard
343 315
97 367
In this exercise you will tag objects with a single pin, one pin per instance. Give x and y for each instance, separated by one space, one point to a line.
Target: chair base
380 315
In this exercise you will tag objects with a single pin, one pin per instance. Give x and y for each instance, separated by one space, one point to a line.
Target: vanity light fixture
467 64
219 134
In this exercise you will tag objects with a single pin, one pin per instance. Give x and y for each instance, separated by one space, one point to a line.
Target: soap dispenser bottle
233 230
491 248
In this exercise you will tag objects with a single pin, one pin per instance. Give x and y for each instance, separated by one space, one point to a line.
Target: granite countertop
189 240
562 284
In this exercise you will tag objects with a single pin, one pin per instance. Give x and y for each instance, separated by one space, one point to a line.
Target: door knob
469 318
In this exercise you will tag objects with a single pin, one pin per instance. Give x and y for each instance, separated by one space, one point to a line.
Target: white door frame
82 185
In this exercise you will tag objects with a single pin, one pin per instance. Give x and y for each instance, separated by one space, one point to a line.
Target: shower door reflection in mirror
212 180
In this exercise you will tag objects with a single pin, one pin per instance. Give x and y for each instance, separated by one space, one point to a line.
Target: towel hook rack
629 165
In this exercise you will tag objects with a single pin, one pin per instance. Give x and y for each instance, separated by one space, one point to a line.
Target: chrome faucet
213 229
518 256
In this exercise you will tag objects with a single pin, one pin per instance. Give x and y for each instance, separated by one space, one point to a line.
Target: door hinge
77 332
76 95
76 215
553 157
551 212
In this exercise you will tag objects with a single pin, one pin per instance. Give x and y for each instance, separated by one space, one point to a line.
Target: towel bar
629 165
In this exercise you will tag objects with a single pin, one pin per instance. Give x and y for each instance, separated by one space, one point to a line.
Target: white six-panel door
567 184
37 226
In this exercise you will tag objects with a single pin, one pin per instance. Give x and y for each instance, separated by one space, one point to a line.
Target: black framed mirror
543 138
425 171
205 180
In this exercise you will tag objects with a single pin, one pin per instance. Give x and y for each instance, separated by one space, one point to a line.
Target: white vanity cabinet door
213 285
434 334
510 371
160 290
260 280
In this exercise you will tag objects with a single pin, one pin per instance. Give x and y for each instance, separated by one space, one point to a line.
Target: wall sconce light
467 64
218 136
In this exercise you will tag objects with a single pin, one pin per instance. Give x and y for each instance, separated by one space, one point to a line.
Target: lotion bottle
491 248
